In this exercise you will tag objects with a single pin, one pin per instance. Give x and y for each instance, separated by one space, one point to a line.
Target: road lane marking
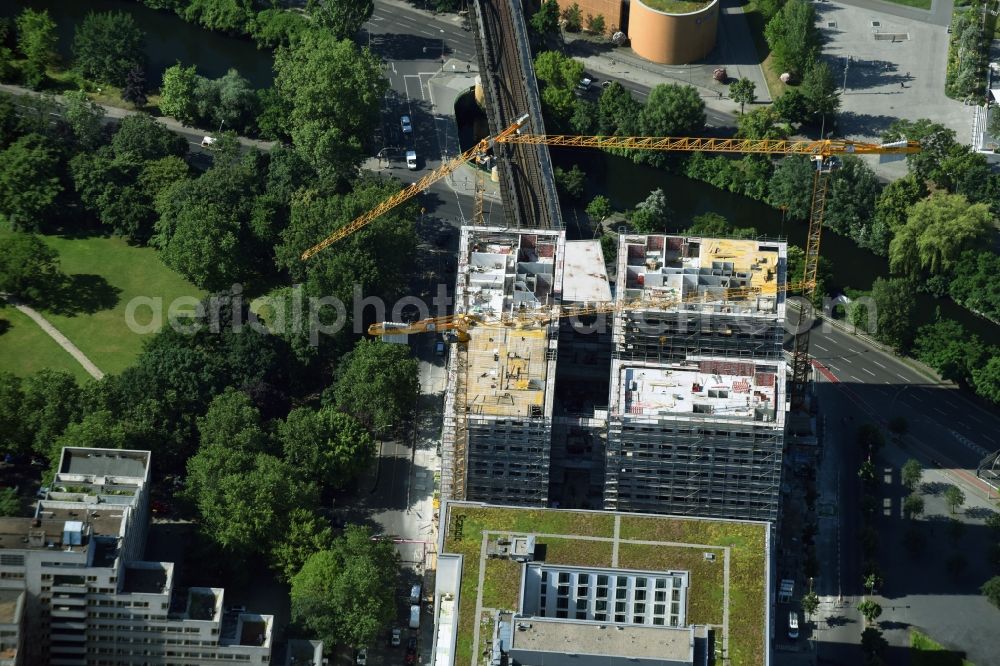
848 360
820 347
988 437
868 371
940 411
879 364
973 417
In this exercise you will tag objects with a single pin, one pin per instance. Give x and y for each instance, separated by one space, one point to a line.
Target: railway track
529 198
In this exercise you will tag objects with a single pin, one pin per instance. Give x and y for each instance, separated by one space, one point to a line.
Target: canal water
626 183
168 39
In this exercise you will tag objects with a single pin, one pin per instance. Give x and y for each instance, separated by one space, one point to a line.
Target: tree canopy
29 182
36 39
335 90
330 447
343 18
742 91
29 268
652 214
107 46
377 384
347 594
937 230
793 37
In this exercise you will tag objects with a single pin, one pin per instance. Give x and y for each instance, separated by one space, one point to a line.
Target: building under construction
696 411
497 437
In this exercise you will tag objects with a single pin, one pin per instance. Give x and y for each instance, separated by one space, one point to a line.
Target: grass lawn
747 593
501 584
106 274
927 652
25 348
675 6
919 4
707 578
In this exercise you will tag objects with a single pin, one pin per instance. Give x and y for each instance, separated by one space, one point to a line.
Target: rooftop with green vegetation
617 540
676 6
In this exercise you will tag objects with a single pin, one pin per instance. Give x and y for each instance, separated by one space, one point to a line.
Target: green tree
596 24
986 378
237 102
913 505
85 118
306 534
618 112
891 208
599 208
107 45
954 498
743 92
177 93
898 425
672 110
870 439
937 231
29 268
911 473
51 402
559 76
232 420
14 436
896 305
711 225
376 383
792 106
762 123
10 503
791 186
851 198
6 55
571 182
947 347
991 590
809 603
793 37
870 609
146 139
872 643
343 18
330 447
546 20
134 90
971 282
244 497
335 91
347 594
820 90
937 142
585 117
573 18
29 182
36 39
652 214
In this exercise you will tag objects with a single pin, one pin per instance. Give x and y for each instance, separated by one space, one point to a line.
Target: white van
415 594
793 624
411 160
415 616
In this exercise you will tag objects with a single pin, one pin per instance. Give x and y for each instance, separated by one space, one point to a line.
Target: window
12 560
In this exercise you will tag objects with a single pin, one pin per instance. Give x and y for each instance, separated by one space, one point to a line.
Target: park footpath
56 335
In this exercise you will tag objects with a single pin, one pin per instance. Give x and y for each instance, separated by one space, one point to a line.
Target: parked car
361 659
414 617
207 141
397 637
404 121
440 348
585 83
411 160
793 624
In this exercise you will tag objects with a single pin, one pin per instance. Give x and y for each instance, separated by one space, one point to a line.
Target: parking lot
889 67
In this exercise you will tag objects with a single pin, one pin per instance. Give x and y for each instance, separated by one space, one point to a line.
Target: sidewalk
56 335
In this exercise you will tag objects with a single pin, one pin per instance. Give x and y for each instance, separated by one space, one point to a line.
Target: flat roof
707 387
149 580
575 637
685 272
502 274
585 279
104 462
9 602
639 542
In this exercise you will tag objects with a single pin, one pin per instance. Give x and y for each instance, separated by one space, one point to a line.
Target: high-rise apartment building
87 597
497 432
697 398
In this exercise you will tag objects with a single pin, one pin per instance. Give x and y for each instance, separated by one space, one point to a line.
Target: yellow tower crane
824 153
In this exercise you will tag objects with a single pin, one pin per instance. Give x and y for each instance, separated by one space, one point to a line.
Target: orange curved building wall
672 39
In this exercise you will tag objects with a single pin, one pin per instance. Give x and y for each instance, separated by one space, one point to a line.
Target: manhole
831 24
876 24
